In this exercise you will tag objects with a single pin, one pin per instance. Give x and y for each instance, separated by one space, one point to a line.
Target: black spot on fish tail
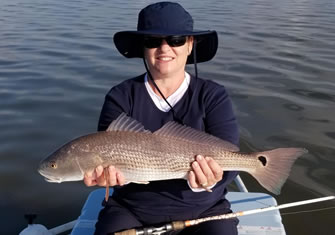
263 160
275 167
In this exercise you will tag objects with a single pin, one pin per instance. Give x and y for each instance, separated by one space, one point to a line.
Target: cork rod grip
127 232
178 225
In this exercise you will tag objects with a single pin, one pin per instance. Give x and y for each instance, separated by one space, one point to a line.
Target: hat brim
130 43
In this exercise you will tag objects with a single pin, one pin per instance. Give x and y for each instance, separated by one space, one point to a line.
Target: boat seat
266 223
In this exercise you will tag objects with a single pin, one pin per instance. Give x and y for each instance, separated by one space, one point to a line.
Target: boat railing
240 185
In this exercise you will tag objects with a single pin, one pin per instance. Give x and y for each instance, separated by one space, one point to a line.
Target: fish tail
274 167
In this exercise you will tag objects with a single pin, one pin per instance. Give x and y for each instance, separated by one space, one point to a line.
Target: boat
266 223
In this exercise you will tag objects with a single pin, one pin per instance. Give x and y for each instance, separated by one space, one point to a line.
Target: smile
165 58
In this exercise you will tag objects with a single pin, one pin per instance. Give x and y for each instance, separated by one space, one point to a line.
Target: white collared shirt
172 99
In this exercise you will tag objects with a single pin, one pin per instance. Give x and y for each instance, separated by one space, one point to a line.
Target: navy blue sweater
205 106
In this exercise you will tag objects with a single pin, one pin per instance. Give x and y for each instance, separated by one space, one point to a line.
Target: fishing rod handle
178 225
127 232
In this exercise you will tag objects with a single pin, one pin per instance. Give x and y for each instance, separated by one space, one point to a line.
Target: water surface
57 61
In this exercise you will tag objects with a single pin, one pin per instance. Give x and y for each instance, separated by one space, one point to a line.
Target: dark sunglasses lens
151 42
173 41
176 41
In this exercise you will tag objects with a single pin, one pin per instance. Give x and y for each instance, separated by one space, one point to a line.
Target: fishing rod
178 225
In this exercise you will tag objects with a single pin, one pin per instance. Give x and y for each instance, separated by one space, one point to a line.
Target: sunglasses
172 41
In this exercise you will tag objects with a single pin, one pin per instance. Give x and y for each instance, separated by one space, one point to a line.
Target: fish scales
148 155
143 156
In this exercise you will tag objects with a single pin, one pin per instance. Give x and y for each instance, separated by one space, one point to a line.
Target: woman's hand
100 176
205 173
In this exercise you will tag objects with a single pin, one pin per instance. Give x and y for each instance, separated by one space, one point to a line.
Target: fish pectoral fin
107 184
140 182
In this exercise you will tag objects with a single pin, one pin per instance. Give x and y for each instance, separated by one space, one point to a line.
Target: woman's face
166 60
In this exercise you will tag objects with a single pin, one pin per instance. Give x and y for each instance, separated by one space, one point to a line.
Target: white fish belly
148 174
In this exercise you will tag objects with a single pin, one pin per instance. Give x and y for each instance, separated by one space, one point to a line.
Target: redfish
167 153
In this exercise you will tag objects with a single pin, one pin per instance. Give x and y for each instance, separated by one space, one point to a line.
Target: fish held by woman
167 153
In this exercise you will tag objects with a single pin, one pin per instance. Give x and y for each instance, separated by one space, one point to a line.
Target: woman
166 41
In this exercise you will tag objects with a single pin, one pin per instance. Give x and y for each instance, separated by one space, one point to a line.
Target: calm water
57 61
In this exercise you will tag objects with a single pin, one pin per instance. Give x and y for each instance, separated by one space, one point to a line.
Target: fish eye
53 165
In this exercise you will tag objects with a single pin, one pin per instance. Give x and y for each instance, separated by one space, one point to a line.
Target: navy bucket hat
166 19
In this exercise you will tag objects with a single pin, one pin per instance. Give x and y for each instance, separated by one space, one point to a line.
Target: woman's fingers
215 168
101 177
89 178
206 172
199 174
112 176
192 180
120 178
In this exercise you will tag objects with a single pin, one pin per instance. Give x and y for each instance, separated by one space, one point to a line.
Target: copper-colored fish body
143 156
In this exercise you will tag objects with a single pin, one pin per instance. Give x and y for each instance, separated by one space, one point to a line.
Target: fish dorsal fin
126 123
184 132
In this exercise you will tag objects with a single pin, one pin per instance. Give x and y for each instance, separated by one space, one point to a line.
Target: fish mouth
50 178
53 180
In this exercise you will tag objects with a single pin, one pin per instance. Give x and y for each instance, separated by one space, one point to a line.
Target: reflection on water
330 134
314 95
57 61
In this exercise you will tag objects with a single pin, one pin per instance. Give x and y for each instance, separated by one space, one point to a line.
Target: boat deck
266 223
